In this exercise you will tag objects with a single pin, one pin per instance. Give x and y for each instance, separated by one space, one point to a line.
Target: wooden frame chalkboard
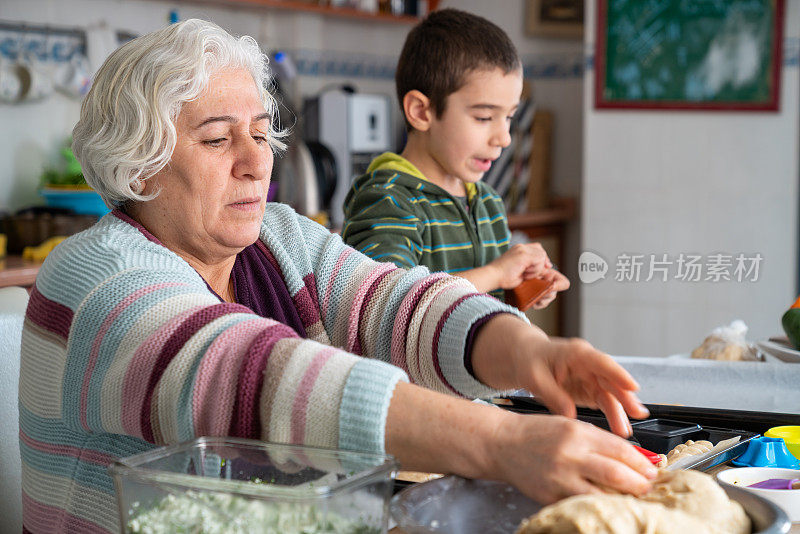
697 55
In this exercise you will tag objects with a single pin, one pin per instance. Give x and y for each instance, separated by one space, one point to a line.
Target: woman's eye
483 119
215 142
260 139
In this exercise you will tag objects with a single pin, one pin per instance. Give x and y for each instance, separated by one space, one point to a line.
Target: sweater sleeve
418 321
151 353
381 224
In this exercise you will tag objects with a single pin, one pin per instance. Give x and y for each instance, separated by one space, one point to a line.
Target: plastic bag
727 343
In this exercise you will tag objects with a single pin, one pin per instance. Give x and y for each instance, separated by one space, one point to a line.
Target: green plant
69 172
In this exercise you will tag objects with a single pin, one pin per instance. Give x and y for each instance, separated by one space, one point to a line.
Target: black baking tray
751 421
660 434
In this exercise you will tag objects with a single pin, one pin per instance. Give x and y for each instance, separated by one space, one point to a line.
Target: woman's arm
418 321
547 457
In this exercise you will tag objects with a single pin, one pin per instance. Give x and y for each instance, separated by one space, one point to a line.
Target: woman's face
213 192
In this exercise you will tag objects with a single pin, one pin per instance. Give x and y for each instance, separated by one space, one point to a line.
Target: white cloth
13 301
754 386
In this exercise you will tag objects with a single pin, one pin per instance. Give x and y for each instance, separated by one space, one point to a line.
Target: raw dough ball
610 514
680 502
697 494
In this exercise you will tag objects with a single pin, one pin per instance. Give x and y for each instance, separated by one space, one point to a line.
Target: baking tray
663 437
752 421
454 504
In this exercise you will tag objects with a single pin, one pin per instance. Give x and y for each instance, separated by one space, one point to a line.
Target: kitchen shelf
544 222
343 12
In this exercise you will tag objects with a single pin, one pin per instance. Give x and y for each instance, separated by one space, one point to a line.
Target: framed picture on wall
554 18
672 54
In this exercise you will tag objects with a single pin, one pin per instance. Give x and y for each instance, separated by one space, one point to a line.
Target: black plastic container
663 435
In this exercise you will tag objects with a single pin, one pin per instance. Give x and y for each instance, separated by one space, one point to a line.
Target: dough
680 502
697 494
610 514
717 348
690 448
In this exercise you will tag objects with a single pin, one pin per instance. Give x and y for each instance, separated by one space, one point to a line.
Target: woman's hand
561 373
547 457
567 372
550 457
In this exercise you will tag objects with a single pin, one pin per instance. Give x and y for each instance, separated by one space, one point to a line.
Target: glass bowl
240 486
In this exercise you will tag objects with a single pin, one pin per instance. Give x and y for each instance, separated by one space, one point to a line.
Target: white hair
126 132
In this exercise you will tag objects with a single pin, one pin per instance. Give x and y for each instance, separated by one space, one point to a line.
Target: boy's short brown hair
443 48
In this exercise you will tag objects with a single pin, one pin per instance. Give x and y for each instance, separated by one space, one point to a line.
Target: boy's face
474 126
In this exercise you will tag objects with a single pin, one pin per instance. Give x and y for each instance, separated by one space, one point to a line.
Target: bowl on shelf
81 199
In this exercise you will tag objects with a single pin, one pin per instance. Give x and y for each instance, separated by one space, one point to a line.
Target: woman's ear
418 111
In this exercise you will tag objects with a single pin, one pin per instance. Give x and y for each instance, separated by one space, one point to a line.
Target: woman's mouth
247 204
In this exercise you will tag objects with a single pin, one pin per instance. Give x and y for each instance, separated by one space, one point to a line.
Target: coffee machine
355 127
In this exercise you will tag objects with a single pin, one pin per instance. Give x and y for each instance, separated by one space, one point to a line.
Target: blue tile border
50 45
534 66
549 66
329 63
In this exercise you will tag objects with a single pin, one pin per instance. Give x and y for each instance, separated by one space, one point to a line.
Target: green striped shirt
397 217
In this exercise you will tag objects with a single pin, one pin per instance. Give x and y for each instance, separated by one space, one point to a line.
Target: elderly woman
195 308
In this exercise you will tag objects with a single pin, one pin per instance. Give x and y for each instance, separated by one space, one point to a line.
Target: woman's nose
253 159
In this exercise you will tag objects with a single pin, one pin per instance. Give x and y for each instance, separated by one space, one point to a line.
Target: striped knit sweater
125 347
397 216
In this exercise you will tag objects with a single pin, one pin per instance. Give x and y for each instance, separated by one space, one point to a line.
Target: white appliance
355 127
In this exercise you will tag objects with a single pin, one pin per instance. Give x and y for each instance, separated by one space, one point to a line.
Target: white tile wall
691 182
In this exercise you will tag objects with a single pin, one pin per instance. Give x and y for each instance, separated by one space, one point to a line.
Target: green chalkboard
688 54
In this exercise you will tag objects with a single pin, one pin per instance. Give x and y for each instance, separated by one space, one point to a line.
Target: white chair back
13 301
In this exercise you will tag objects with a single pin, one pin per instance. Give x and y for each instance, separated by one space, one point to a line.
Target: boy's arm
484 278
381 224
518 263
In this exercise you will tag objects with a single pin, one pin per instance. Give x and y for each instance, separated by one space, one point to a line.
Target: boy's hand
560 283
519 263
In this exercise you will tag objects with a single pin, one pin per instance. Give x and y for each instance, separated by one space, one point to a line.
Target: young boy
459 82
